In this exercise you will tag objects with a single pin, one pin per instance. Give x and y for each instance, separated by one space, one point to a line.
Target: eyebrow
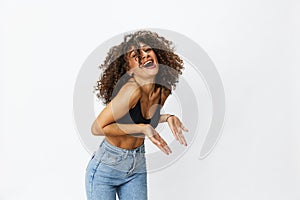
131 51
145 45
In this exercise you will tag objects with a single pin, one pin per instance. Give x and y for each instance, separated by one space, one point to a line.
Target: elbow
94 132
96 129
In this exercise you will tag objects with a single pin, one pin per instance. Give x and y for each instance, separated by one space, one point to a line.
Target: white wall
253 44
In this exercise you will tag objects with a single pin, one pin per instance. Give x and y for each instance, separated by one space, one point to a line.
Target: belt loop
126 155
102 142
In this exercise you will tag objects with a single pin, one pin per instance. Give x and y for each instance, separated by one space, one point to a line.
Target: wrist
169 117
143 128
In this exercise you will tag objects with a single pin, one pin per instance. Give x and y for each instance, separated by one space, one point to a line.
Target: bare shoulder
132 89
164 95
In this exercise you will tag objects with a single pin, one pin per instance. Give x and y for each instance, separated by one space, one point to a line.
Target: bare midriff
126 141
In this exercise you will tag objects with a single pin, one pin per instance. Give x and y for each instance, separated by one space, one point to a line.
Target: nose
144 54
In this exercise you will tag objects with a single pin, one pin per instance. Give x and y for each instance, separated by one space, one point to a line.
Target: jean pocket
111 157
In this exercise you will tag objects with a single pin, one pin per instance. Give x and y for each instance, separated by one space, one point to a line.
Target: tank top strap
160 96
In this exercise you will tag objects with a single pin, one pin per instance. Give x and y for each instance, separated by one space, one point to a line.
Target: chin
152 71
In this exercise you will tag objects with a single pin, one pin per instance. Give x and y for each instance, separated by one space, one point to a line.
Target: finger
165 149
164 145
184 128
157 140
179 135
175 135
162 148
182 138
184 141
168 149
154 140
173 132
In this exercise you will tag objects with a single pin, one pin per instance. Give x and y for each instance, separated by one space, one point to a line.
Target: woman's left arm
174 122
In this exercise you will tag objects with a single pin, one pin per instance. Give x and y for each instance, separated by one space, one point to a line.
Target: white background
253 44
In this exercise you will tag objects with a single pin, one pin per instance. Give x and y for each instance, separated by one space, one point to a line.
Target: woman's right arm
116 129
114 110
125 99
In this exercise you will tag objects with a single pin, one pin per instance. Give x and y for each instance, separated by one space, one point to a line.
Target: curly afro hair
115 65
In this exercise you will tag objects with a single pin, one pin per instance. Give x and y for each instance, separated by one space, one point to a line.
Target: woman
138 76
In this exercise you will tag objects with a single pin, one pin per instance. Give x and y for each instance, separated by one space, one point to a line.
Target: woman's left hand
177 127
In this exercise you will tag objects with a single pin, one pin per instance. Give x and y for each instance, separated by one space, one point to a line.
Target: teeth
148 62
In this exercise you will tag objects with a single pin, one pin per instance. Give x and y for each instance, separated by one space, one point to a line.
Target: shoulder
164 94
131 90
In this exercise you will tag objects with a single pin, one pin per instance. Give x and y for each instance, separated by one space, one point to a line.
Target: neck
147 86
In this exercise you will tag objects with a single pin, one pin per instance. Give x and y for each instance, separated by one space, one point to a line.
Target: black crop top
135 116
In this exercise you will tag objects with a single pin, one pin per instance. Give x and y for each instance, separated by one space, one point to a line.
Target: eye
148 49
133 55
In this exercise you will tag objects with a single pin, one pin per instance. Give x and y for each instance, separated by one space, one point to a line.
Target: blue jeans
113 170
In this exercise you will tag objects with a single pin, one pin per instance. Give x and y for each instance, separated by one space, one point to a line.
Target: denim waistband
140 149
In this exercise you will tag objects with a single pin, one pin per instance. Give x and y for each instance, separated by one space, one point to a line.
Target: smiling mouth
149 64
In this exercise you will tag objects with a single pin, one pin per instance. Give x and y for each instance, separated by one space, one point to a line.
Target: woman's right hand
156 139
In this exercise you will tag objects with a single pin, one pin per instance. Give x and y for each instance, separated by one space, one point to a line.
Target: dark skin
141 86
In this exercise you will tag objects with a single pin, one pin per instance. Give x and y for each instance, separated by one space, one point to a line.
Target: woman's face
148 66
